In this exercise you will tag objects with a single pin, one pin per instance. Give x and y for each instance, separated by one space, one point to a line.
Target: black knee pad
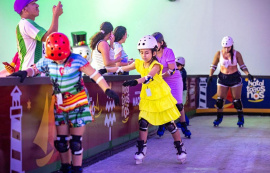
180 106
143 124
76 145
219 103
170 126
238 104
61 143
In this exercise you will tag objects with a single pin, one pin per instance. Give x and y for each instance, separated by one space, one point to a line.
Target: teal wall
192 28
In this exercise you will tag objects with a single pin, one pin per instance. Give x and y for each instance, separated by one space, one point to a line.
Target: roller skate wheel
182 158
139 161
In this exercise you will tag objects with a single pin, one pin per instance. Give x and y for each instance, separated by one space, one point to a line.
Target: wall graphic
16 132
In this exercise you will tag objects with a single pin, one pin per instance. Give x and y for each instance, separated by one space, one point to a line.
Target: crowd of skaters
163 79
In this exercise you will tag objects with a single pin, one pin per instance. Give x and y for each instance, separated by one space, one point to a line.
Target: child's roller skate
77 169
185 131
161 130
65 168
241 121
218 120
181 151
139 156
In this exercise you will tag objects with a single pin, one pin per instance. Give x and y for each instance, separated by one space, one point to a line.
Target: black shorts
229 80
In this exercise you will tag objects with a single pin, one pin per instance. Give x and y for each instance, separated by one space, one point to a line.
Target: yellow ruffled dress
160 107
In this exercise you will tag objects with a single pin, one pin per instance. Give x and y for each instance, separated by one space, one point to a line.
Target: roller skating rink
222 149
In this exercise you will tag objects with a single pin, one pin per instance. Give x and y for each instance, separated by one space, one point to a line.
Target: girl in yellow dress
157 105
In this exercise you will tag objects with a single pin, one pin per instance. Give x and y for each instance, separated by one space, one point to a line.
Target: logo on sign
255 90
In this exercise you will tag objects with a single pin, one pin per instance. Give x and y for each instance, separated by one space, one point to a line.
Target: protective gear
238 104
219 119
227 41
183 126
65 168
171 127
21 74
161 130
76 145
181 60
57 46
214 67
180 106
119 71
158 36
181 151
209 80
243 67
143 124
61 143
99 79
219 103
142 148
110 93
241 120
171 72
130 83
102 71
250 77
148 79
77 169
147 42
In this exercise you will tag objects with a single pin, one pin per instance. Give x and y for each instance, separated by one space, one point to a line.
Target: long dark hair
153 57
231 52
105 27
159 37
119 33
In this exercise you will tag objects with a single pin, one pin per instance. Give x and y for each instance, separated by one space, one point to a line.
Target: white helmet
147 42
227 41
180 60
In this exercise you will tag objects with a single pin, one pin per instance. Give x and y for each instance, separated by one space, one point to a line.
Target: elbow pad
171 72
243 67
212 66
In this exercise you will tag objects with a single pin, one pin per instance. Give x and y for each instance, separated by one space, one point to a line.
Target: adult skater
173 78
229 77
157 105
71 109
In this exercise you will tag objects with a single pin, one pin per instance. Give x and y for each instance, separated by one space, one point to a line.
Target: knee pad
143 124
238 104
170 126
61 143
180 106
76 145
219 103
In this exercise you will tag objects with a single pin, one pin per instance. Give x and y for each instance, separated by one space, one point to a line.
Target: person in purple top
173 78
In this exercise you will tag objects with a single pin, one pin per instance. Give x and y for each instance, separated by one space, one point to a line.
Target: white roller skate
139 156
181 151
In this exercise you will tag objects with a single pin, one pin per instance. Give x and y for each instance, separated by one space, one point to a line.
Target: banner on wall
254 95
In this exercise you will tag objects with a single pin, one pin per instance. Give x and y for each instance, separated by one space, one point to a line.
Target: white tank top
227 62
97 59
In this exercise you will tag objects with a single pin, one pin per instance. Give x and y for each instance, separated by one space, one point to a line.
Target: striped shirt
66 79
65 76
29 45
97 59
